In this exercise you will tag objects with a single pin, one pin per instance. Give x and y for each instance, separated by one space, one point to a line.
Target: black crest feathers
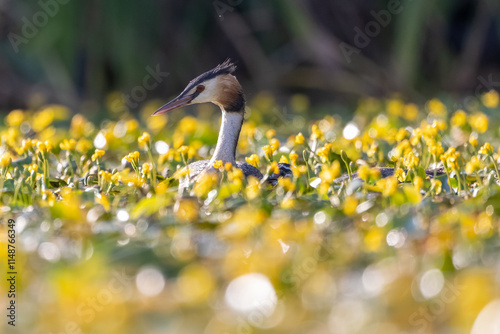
227 67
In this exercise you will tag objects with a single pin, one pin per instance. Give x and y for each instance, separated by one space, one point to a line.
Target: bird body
197 167
220 87
389 171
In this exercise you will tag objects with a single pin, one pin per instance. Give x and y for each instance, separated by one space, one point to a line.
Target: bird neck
228 136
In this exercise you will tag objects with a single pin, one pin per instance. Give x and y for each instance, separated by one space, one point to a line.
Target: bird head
218 86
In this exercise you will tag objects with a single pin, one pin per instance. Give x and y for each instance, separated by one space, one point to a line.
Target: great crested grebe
222 88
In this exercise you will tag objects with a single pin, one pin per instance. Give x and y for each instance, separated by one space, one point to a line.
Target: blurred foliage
87 49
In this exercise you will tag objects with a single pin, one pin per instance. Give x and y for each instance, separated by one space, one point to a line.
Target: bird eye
200 88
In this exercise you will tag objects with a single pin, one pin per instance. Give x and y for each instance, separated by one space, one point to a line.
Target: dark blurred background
76 52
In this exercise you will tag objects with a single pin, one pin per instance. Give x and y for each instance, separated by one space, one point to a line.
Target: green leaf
22 161
57 183
149 206
453 182
8 186
421 173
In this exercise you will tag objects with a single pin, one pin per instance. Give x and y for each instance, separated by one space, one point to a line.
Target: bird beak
176 103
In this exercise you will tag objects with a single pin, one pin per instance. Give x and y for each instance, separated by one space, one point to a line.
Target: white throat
228 137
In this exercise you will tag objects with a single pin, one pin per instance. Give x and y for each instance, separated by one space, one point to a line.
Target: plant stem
496 168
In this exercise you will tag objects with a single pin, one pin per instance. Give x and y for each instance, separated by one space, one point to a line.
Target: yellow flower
372 151
105 175
183 150
275 144
417 134
178 141
459 118
436 107
42 119
97 154
440 125
186 209
228 166
373 239
365 173
48 198
217 164
411 160
402 149
324 188
236 176
172 154
132 157
274 168
450 158
299 170
402 134
410 112
15 118
436 186
288 203
68 145
161 188
330 173
33 168
26 145
395 107
389 186
283 159
10 136
418 183
205 183
188 125
270 133
293 157
144 139
253 188
286 183
473 165
435 148
490 99
181 173
195 284
350 205
486 149
430 131
248 130
80 127
132 180
103 200
479 122
44 146
317 133
299 139
324 152
400 175
473 139
253 160
146 168
132 125
83 146
268 151
115 178
191 152
157 123
5 160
